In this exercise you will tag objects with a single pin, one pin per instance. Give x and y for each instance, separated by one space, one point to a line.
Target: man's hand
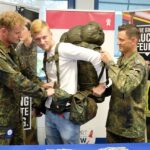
50 91
48 85
105 56
99 90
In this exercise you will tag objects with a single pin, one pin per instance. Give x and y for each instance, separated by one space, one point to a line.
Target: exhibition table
132 146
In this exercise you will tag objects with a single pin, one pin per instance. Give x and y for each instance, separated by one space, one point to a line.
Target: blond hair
10 19
37 25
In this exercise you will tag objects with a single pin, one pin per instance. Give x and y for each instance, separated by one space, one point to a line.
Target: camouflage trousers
113 138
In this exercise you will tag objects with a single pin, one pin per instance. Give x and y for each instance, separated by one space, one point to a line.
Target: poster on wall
59 22
142 20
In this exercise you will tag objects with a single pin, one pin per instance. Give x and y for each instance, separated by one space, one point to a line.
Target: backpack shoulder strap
101 73
44 64
52 58
57 64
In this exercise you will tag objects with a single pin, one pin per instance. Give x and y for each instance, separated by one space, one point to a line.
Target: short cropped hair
37 25
131 30
10 19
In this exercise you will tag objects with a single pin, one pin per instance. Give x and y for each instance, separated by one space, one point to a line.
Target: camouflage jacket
127 105
28 61
11 82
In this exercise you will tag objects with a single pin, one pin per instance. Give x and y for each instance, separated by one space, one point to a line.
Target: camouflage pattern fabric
74 35
28 61
113 138
83 108
12 82
27 56
93 33
126 116
89 81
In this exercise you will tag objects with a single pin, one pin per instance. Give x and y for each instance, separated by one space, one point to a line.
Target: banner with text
142 20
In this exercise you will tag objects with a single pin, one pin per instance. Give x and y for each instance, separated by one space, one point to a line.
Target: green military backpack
89 36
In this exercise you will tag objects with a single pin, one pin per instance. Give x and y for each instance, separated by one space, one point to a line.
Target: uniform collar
4 48
126 61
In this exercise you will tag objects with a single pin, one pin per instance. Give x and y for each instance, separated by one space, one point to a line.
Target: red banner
68 19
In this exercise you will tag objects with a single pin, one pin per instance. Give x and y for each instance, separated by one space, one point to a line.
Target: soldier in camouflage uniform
126 117
27 51
12 81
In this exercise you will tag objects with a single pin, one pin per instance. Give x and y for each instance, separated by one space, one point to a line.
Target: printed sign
25 106
144 42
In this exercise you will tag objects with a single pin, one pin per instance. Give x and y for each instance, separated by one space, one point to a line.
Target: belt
58 110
